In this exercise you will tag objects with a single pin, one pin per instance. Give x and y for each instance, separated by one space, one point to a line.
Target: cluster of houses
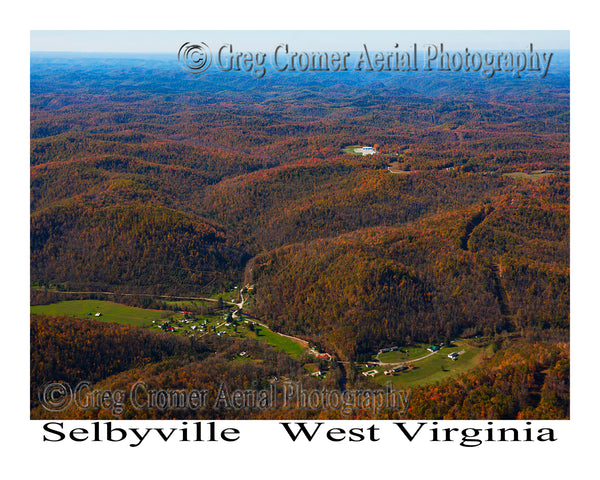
197 326
396 369
166 327
202 327
169 327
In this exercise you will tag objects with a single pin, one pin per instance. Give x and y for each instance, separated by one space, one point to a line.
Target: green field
436 367
289 346
350 150
111 312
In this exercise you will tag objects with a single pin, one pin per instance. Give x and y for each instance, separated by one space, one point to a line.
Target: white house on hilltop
366 151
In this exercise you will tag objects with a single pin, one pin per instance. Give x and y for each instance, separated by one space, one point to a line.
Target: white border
263 455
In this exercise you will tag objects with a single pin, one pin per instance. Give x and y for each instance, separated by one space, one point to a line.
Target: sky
166 41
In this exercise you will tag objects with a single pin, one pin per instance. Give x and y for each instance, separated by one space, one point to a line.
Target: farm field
111 312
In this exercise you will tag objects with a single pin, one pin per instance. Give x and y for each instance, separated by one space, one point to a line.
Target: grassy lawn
111 312
404 354
350 150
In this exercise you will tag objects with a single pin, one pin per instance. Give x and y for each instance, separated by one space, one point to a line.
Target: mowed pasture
111 312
